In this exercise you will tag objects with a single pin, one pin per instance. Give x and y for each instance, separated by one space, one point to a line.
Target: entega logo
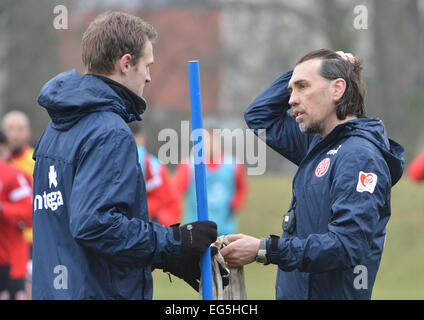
52 200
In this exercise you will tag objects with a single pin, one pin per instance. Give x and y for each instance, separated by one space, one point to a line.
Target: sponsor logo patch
366 182
49 200
322 167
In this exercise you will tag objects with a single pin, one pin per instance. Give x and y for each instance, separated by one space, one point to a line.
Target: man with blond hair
92 234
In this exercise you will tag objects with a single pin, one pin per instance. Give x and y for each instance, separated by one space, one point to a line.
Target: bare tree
31 56
397 95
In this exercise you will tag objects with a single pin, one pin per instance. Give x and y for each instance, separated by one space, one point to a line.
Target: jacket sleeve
356 213
103 196
269 111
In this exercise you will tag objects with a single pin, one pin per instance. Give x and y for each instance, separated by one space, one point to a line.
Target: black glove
195 237
186 267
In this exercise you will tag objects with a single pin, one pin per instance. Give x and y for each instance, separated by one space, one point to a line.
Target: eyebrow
297 82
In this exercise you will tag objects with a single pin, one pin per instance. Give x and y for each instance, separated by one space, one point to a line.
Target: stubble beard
311 128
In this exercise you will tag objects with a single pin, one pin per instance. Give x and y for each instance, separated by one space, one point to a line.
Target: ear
124 63
338 88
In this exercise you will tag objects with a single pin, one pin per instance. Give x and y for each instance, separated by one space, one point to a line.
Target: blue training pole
200 172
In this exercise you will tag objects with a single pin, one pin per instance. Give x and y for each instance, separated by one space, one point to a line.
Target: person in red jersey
163 200
15 215
227 185
16 126
416 168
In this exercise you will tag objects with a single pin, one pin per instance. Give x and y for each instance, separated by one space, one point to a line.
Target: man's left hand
185 267
242 250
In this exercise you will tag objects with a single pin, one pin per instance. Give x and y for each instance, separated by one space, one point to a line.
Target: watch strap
261 256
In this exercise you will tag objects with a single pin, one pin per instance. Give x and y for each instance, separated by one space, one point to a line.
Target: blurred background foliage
242 46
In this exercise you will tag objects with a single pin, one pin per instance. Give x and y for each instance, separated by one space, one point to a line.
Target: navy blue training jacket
92 235
342 192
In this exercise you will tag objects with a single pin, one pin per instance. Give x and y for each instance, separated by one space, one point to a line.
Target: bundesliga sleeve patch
366 182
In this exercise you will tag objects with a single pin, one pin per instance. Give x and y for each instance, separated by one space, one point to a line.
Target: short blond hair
111 35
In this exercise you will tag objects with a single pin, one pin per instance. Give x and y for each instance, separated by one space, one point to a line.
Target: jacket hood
71 95
373 130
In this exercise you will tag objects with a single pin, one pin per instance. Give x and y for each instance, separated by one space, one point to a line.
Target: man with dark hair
352 102
92 234
334 230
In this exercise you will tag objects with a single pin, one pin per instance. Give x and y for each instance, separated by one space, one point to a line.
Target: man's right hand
196 236
347 56
242 250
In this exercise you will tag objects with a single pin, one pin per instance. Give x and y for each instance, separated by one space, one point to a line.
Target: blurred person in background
94 239
163 201
335 228
226 183
17 127
15 215
416 168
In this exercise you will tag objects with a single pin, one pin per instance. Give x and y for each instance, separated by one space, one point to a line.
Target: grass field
399 276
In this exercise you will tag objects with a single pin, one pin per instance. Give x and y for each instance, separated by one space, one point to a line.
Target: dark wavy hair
333 66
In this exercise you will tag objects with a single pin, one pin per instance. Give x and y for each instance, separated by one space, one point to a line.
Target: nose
148 77
294 100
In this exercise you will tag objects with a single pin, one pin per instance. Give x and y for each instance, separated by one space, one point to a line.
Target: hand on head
347 56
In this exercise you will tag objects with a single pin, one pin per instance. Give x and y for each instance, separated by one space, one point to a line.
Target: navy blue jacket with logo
92 235
342 192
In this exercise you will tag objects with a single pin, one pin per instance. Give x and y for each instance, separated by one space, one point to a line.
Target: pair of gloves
195 238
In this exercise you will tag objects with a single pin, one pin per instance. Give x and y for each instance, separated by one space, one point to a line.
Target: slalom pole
200 172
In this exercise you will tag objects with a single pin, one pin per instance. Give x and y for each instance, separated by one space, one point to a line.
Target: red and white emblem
322 167
366 182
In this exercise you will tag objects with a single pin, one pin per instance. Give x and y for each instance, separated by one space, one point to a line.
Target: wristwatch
261 257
